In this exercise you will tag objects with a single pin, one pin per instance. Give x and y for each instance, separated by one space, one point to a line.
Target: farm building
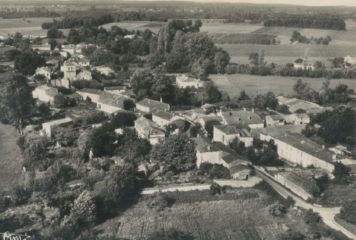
104 70
148 106
295 104
240 172
183 81
299 150
242 118
227 133
48 128
110 103
149 130
300 183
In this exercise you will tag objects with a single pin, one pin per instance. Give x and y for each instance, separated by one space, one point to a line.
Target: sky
294 2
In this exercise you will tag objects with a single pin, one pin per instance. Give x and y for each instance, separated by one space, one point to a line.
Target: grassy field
26 26
233 84
10 158
243 218
229 28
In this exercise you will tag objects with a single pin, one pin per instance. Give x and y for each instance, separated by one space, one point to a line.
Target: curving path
327 214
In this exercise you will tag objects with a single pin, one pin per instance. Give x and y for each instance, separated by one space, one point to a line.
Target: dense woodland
307 21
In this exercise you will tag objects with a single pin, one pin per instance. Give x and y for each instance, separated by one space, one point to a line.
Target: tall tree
16 102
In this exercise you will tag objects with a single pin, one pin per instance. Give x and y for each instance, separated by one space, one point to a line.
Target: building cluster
219 126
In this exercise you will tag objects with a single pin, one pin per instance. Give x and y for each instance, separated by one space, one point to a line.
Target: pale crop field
25 26
253 85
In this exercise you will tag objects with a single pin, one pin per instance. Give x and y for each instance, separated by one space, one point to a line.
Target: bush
214 171
348 211
278 210
311 217
216 189
161 201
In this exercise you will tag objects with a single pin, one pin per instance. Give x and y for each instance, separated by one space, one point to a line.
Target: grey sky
295 2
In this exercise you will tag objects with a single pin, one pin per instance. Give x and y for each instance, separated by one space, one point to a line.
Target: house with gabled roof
149 105
227 133
242 118
162 118
45 93
111 103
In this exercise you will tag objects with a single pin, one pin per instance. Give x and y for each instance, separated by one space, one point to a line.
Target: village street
327 214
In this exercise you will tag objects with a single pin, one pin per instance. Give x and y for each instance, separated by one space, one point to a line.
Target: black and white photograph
177 119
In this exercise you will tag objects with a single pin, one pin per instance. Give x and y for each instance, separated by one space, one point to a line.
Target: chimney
252 110
161 100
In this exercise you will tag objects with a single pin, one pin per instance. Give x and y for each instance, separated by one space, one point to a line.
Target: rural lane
327 214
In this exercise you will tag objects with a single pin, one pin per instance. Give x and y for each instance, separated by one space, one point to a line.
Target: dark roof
242 117
164 115
238 168
90 90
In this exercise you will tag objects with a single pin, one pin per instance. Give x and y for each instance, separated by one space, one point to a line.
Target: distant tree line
75 21
241 38
307 21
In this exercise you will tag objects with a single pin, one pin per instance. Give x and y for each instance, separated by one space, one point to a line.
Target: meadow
243 218
26 26
253 85
10 158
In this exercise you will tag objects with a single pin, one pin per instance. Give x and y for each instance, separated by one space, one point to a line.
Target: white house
45 94
84 74
240 172
49 128
104 70
149 130
350 60
299 150
275 120
297 118
148 106
44 71
162 118
183 81
227 133
242 118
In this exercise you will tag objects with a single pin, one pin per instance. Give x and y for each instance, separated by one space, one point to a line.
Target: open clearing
229 28
10 158
26 26
233 84
243 218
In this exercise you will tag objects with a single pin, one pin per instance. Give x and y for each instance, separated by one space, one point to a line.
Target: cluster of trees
307 21
348 212
298 37
214 171
184 49
260 153
245 38
339 94
289 70
75 21
27 61
146 83
176 154
54 33
335 126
